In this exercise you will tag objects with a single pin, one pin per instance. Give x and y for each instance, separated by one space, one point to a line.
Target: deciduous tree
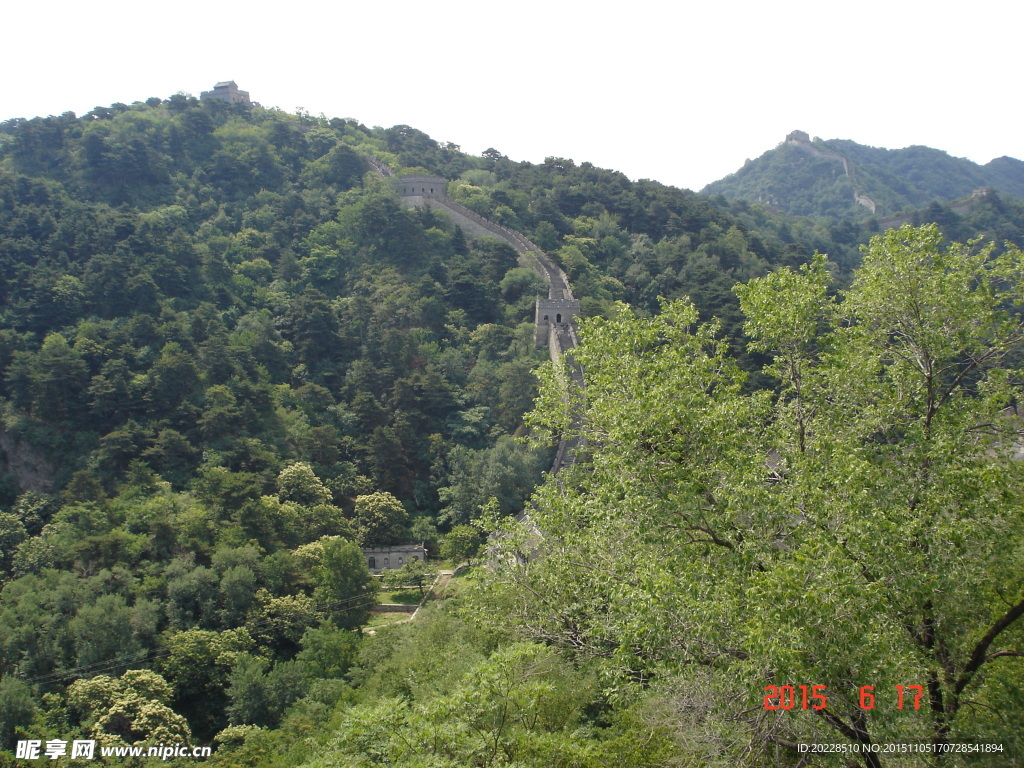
345 590
861 528
380 519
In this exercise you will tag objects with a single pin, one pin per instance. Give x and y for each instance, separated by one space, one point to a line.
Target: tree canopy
860 528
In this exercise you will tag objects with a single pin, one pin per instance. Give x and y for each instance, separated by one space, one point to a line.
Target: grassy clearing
404 596
461 581
383 619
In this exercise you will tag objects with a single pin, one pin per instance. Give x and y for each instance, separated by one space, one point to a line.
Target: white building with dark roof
389 558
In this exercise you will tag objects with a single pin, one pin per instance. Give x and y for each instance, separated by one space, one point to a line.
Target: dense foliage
860 528
231 358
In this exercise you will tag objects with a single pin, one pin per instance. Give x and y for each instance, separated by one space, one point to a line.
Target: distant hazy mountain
847 180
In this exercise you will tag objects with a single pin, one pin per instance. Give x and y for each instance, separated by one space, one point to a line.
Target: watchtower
226 90
553 313
420 186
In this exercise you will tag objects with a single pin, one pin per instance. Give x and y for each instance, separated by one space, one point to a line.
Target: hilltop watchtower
226 91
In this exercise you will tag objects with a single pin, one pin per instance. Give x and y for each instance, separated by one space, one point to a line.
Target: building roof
396 548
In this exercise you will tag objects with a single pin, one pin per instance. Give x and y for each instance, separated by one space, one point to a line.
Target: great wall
554 317
802 141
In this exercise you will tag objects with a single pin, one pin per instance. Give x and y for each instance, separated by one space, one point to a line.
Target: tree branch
998 654
980 654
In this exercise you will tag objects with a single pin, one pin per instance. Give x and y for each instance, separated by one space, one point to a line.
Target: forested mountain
222 341
231 357
846 180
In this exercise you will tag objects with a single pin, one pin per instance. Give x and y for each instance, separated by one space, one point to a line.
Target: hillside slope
846 180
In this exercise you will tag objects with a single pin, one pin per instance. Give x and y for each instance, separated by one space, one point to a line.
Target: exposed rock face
31 471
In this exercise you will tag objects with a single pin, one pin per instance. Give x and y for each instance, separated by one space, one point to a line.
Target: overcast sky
683 93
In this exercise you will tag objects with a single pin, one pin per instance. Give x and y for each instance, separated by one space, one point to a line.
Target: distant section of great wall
554 317
802 141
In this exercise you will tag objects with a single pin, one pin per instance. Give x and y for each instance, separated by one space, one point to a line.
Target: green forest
231 359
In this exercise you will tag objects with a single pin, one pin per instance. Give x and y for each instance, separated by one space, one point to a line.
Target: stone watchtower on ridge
226 90
553 313
420 186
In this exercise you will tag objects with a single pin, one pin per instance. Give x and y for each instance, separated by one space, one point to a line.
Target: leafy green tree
35 610
35 510
344 587
223 489
424 531
260 692
221 417
297 482
173 378
131 709
102 631
172 456
508 471
238 587
861 528
197 667
341 166
520 706
328 651
52 380
461 544
38 552
380 519
12 533
191 595
277 623
414 573
17 708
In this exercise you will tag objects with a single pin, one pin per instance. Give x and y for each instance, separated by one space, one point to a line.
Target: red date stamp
814 697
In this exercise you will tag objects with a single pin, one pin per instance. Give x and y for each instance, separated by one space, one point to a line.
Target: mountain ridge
802 176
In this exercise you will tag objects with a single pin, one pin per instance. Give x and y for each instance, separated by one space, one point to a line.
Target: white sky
682 93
